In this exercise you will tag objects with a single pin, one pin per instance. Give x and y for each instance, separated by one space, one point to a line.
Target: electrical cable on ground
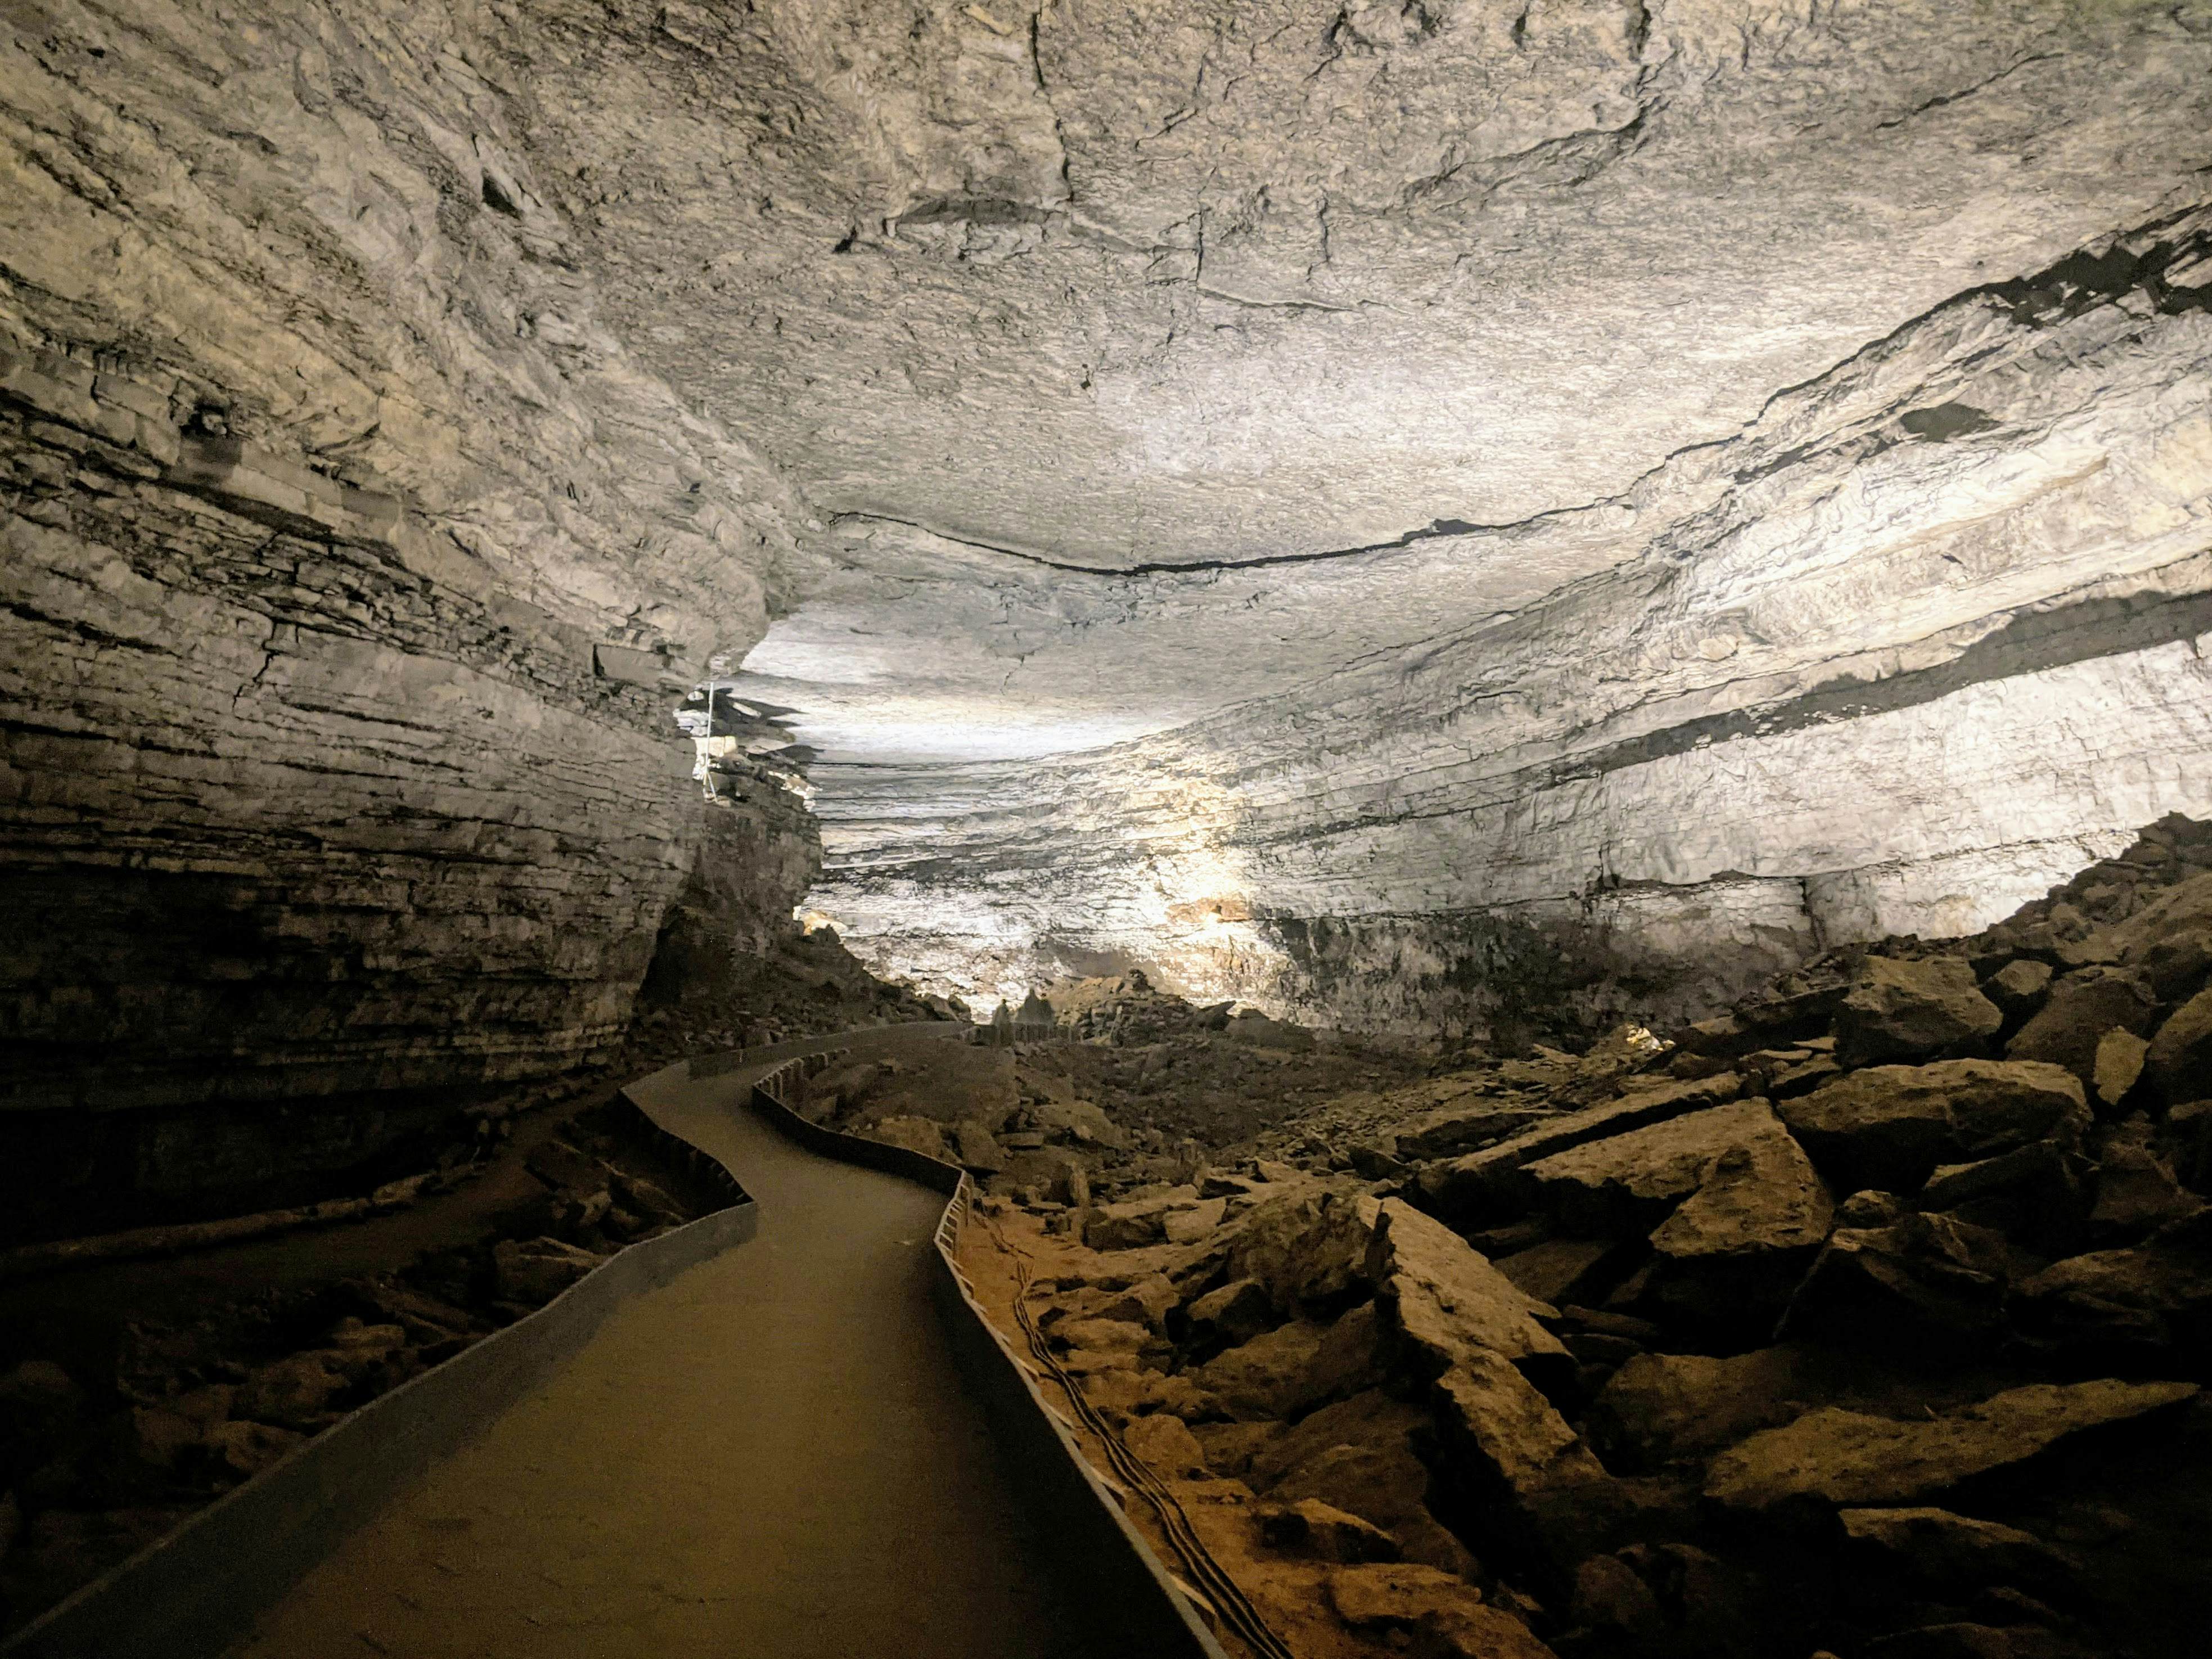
1226 1595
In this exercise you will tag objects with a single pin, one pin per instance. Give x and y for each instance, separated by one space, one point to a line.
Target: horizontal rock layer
1927 635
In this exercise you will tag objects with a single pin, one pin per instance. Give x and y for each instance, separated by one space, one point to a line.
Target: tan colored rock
1660 1408
1446 1616
1558 1271
2019 984
1759 1198
2171 938
2117 1066
1486 1185
1166 1444
1237 1311
1442 1301
1843 1458
1888 1127
1899 1010
1307 1244
535 1270
1937 1547
2180 1058
1504 1439
2083 1007
1279 1373
1310 1528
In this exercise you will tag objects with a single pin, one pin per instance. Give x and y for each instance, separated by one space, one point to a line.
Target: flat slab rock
1843 1458
1888 1128
1441 1300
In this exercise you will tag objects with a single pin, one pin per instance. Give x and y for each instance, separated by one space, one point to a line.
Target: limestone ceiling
1150 289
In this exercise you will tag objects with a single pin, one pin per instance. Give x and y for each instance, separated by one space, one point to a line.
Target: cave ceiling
1137 359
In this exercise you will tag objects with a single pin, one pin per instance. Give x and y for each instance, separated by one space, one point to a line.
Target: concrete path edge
1108 1562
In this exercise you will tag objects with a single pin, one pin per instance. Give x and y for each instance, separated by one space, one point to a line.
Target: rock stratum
1457 517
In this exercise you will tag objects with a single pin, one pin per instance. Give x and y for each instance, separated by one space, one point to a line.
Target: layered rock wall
1929 634
345 558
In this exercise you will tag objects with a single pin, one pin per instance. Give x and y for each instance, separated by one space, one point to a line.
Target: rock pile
114 1440
1869 1318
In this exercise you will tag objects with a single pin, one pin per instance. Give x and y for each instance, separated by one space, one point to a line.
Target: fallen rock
976 1148
2018 986
1313 1528
1307 1246
1847 1460
916 1134
246 1449
533 1272
1135 1223
1626 1184
2033 1194
299 1391
1733 1251
1486 1186
1889 1126
1610 1596
2179 1059
1940 1548
2136 1194
1901 1010
1926 1278
1963 1640
1502 1440
1441 1301
2081 1008
2170 939
1560 1269
2117 1066
1665 1408
1277 1374
1166 1442
1358 1455
1236 1312
1080 1121
1446 1616
2151 1298
1453 1131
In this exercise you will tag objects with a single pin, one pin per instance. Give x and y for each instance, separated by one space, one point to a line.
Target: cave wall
346 563
1925 638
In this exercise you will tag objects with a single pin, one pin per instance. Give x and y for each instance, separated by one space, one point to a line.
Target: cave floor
771 1455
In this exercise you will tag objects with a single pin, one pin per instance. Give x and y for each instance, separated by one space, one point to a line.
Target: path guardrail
1125 1584
197 1590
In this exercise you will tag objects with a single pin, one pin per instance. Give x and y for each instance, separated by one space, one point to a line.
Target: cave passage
772 1455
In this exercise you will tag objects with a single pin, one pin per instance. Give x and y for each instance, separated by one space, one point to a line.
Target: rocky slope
1869 1318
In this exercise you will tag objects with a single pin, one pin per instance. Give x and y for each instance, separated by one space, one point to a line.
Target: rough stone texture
1888 1127
1847 1459
1442 1301
341 531
1903 1010
1629 1182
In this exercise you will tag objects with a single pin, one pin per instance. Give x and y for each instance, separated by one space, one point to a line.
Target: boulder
2170 939
1926 1278
1081 1122
2081 1010
2150 1299
1451 1131
534 1271
1948 1551
1486 1187
1166 1444
2018 987
1502 1440
1321 1532
1141 1298
2033 1194
1308 1245
2136 1194
1054 1173
1897 1010
1964 1639
1626 1184
1666 1408
1236 1312
300 1391
1280 1373
1835 1459
976 1148
916 1134
2117 1066
1430 1611
1889 1126
1761 1202
1611 1597
1358 1455
246 1449
1560 1269
1137 1222
2179 1060
1441 1300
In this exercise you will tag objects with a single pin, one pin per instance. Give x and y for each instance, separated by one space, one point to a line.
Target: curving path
770 1457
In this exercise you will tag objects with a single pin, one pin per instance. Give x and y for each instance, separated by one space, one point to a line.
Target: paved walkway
770 1458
